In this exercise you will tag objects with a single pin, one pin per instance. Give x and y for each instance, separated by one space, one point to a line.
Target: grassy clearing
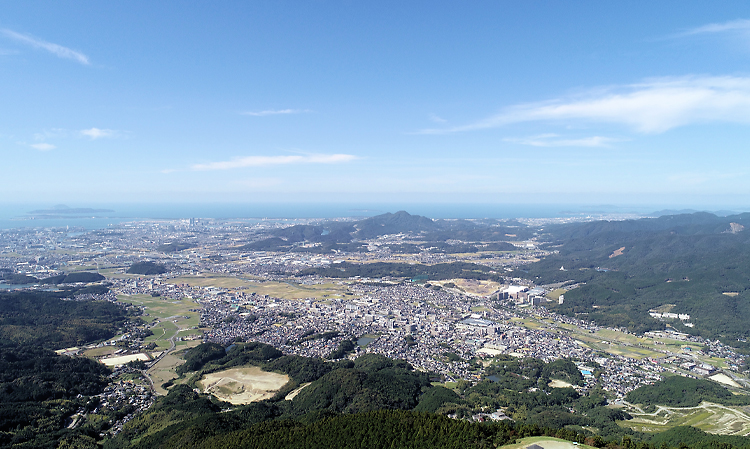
289 290
10 255
546 443
163 332
610 341
211 281
555 294
164 370
171 319
160 308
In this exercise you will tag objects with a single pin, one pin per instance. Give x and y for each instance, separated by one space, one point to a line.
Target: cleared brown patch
243 385
617 253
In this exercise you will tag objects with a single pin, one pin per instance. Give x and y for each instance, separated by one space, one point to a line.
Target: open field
116 361
555 383
163 332
546 443
289 290
475 287
285 290
610 341
243 385
160 307
171 319
211 281
555 294
724 379
100 352
164 369
75 268
709 417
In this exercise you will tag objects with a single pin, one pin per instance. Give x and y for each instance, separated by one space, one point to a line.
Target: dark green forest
678 391
374 270
687 260
146 268
377 402
47 320
174 247
40 390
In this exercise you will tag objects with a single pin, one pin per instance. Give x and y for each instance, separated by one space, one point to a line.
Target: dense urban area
227 293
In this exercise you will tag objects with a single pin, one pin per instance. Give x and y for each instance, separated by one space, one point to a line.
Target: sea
19 215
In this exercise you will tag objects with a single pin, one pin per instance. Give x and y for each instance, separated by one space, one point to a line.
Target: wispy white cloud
554 140
653 106
57 50
739 25
97 133
43 146
260 161
435 118
275 112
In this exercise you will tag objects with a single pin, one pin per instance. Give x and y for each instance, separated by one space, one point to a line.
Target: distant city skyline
492 102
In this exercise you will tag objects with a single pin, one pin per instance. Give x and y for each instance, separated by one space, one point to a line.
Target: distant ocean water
16 215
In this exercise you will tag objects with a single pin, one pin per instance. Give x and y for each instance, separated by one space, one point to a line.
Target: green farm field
285 290
299 291
211 281
546 443
160 308
165 369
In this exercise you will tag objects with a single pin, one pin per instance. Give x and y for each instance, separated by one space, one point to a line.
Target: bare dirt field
243 385
724 379
709 417
117 361
617 252
555 383
294 393
473 287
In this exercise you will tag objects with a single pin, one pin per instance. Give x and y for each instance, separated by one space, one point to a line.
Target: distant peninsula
62 209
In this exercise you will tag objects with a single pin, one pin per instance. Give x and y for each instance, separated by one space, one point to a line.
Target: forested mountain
147 268
377 402
40 390
45 319
336 235
699 263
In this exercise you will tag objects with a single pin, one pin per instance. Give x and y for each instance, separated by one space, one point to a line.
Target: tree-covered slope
630 267
45 319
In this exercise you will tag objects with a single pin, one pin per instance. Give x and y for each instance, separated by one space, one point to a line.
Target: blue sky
504 102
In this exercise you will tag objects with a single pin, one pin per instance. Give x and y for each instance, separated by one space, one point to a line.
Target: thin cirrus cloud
649 107
732 26
437 119
43 146
554 140
275 112
97 133
261 161
57 50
